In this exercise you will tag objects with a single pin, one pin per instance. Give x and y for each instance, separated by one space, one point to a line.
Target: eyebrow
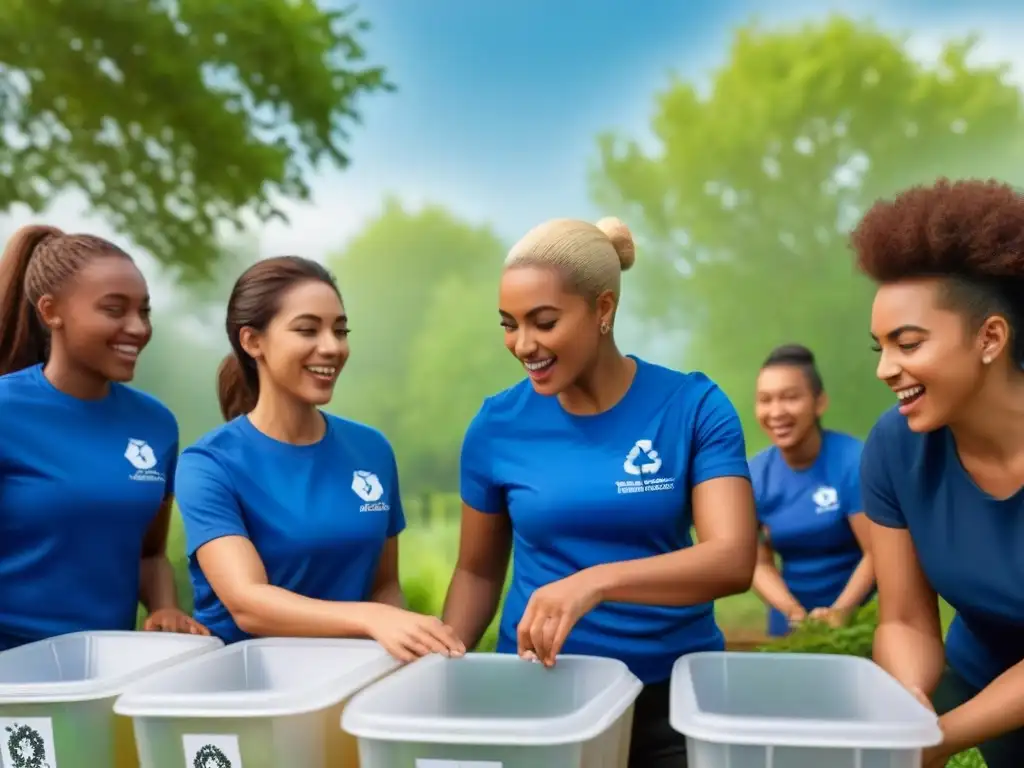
895 333
533 312
122 297
316 318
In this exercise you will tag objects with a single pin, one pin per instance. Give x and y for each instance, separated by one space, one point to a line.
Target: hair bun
622 240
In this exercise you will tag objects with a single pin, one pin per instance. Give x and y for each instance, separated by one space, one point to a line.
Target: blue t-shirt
586 490
80 484
318 515
968 543
805 514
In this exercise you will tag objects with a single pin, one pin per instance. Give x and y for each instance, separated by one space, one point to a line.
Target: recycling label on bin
215 750
422 763
27 742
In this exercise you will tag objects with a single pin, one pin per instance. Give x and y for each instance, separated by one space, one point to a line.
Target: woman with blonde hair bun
597 465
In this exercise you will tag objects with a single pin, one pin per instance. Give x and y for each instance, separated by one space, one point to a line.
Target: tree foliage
744 201
174 117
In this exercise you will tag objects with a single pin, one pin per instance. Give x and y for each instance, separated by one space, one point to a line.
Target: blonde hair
591 257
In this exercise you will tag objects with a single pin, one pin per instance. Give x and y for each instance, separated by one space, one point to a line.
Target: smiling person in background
292 515
943 470
86 462
596 466
807 489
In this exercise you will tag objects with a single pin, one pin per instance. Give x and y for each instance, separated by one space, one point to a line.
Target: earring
605 328
57 323
986 359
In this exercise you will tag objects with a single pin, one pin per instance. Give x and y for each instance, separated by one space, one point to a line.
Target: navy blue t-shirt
318 515
805 513
969 543
586 490
81 481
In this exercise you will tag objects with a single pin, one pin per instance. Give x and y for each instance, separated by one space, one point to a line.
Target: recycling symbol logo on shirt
26 748
210 756
140 454
366 485
642 459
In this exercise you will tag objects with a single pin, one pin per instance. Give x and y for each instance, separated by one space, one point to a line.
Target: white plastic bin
795 710
489 710
266 703
56 695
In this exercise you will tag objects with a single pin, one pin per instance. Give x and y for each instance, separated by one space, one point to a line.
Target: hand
832 616
173 620
796 616
407 635
551 614
937 756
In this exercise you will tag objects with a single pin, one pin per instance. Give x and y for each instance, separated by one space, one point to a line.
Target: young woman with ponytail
86 462
292 515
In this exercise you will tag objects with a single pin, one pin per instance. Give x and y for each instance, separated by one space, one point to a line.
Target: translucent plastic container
789 710
490 710
56 695
267 703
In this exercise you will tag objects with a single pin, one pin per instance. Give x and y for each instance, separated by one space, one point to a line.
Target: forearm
772 589
389 593
157 590
699 574
470 605
269 611
998 709
861 582
912 657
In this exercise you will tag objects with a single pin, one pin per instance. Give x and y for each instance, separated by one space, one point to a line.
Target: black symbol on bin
26 748
210 756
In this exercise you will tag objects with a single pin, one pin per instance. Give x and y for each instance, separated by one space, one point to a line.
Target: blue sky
499 101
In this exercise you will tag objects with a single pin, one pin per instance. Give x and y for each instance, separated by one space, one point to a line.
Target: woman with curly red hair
943 472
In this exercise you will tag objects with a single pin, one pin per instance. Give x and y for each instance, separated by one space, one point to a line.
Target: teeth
322 370
538 365
909 392
128 349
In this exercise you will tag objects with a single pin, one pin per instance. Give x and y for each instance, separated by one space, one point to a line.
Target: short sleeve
477 484
877 495
719 447
396 514
208 505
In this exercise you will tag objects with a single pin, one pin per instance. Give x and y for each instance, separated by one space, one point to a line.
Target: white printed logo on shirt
140 455
826 499
367 486
644 462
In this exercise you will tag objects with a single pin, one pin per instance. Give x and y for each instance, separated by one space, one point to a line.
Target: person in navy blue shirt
86 462
292 515
595 467
807 489
943 470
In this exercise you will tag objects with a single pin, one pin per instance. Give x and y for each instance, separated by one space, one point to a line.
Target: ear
49 312
821 404
606 304
993 337
250 340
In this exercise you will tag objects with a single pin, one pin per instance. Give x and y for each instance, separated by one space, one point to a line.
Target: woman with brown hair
943 472
86 462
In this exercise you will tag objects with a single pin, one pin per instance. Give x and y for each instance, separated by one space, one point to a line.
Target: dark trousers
1006 751
654 744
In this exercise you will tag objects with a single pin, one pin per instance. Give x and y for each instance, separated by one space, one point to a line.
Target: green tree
389 276
744 201
173 118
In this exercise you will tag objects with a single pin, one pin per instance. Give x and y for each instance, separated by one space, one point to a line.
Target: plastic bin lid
367 717
135 653
167 694
919 729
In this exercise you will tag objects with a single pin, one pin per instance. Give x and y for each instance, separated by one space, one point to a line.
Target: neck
805 453
603 386
71 380
287 420
992 426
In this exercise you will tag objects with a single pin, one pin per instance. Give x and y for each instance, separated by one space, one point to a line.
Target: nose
136 324
525 345
887 367
330 344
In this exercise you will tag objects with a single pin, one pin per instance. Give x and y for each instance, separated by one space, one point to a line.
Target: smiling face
786 407
554 333
101 318
305 346
928 355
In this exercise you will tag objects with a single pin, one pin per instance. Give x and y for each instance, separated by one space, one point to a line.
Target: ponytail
235 389
24 341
